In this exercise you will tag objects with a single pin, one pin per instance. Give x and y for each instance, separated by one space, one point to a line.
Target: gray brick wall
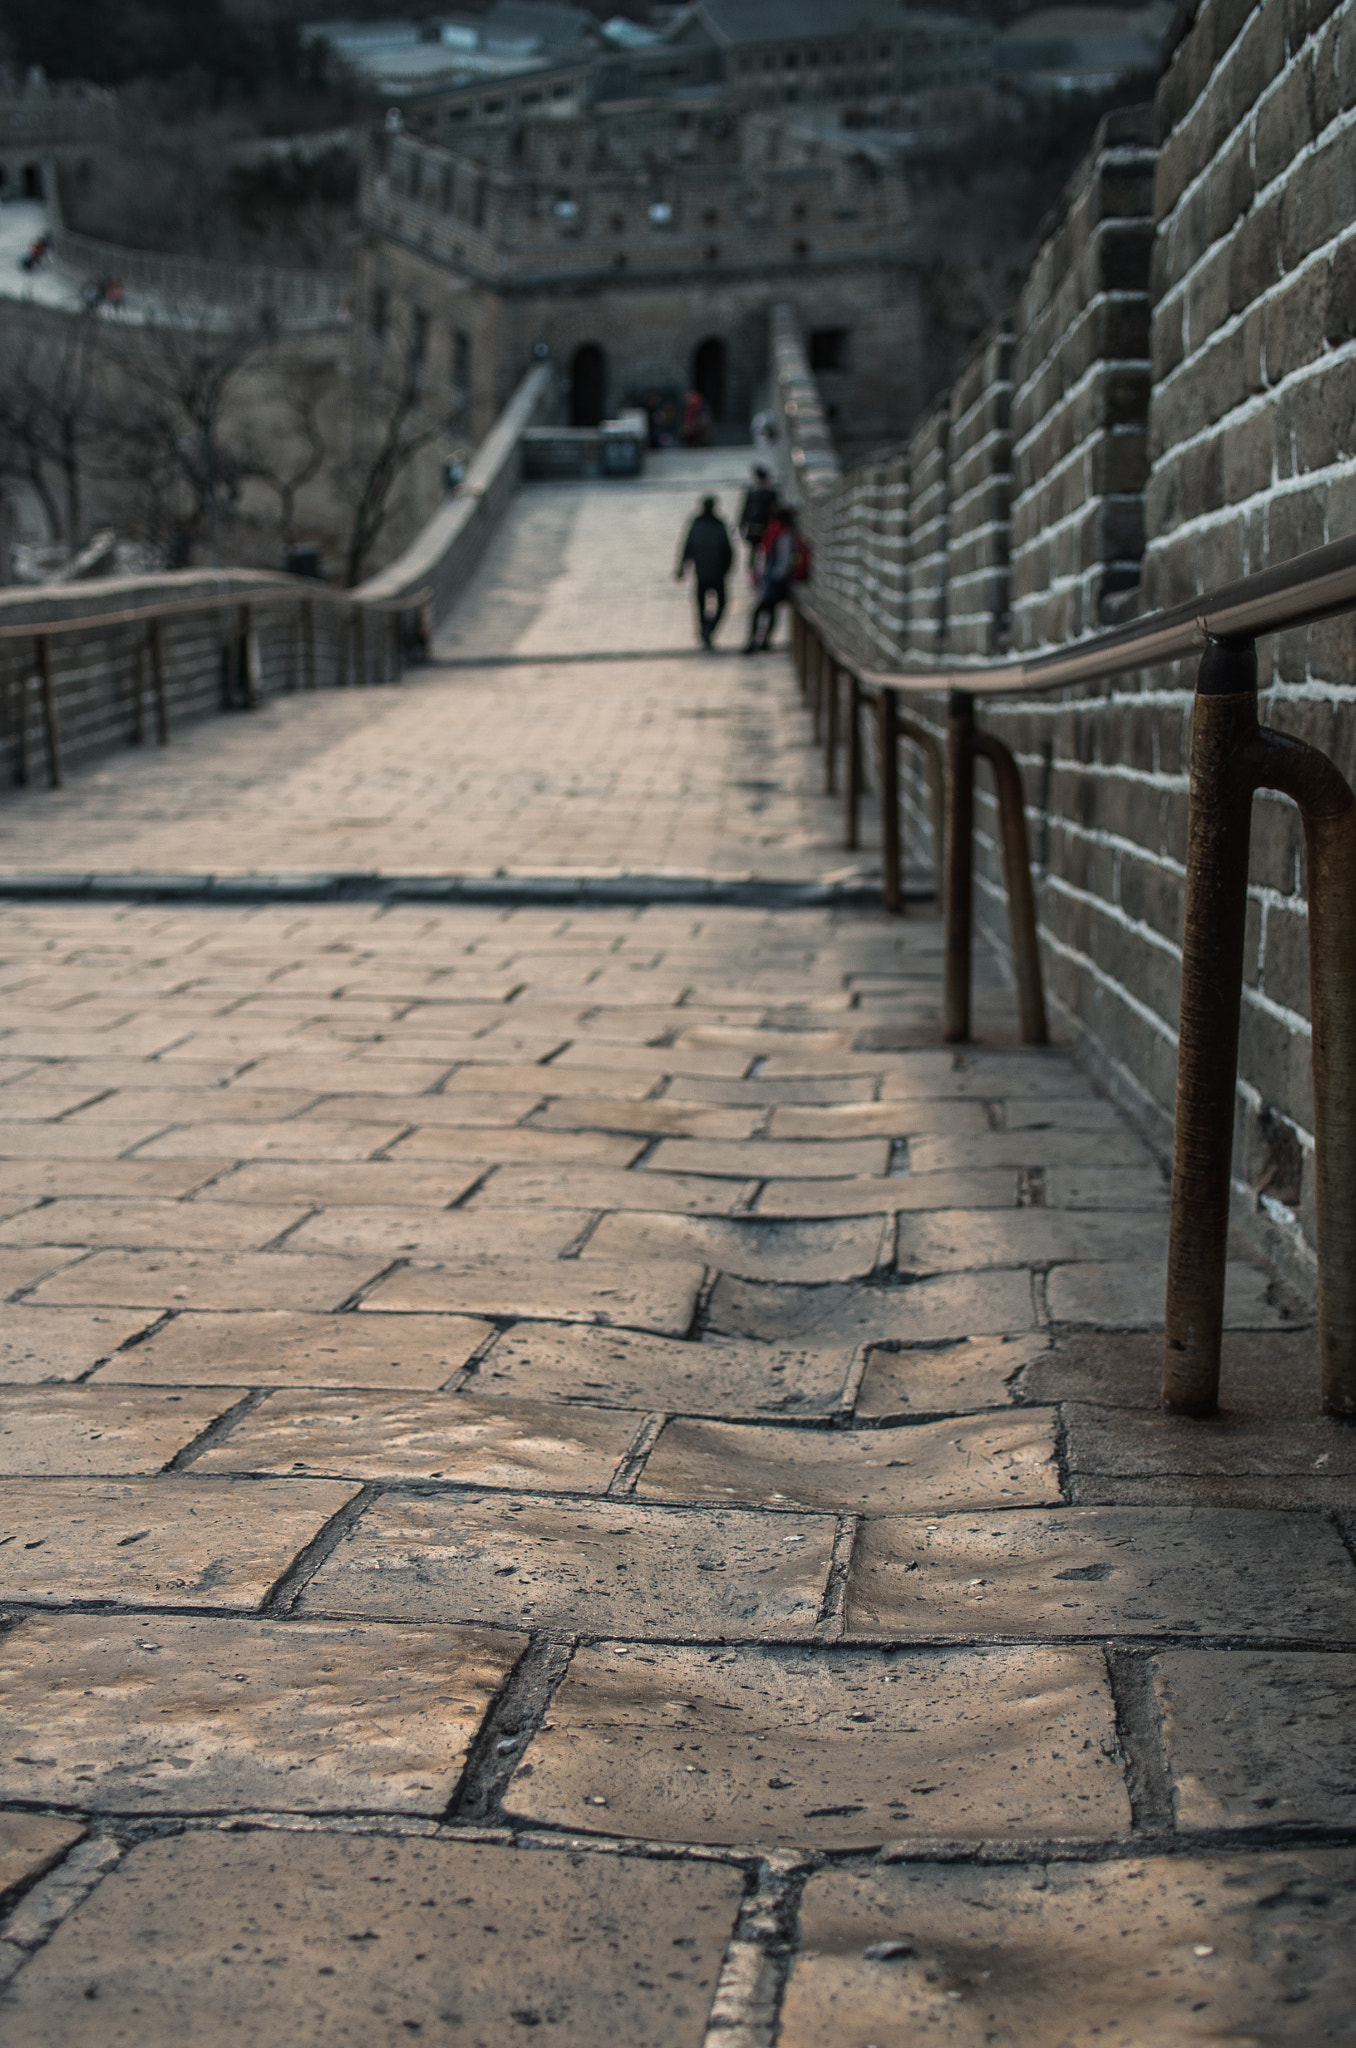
979 492
1183 412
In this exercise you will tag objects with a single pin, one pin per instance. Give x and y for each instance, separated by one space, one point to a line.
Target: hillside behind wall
1180 409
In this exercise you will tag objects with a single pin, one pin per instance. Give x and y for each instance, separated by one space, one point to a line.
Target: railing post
51 725
359 646
852 833
891 866
21 764
249 672
1223 726
831 729
140 665
956 910
158 684
1329 812
308 644
1026 952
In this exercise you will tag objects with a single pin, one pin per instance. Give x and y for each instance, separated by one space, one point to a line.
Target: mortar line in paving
511 1723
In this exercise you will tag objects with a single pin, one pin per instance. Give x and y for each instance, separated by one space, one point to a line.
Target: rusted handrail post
141 661
959 864
359 647
853 775
1026 952
50 722
21 763
158 684
1231 757
891 864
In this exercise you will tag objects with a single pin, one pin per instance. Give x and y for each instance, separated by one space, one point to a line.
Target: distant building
513 36
1081 49
49 123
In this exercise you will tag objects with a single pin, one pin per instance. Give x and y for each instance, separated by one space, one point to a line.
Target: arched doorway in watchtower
708 373
32 181
588 386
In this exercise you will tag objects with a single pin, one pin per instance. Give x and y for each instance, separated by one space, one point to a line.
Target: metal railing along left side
1232 757
371 641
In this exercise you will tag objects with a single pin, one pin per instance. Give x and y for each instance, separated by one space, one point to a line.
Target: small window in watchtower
828 348
798 210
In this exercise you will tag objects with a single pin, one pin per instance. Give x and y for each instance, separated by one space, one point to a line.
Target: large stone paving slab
61 1343
1151 1953
170 1279
1129 1295
187 1226
531 1233
751 1248
655 1297
928 1311
843 1752
450 1436
634 1369
275 1347
993 1189
945 1379
30 1843
600 1567
1259 1737
180 1715
373 1940
1096 1571
602 1187
978 1462
72 1431
367 1184
772 1159
164 1542
957 1240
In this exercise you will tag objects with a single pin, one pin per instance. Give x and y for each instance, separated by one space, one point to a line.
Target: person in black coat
709 550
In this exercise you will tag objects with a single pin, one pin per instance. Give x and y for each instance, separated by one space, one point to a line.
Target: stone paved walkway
570 1474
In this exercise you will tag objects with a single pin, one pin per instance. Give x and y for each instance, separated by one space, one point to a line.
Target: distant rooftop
733 22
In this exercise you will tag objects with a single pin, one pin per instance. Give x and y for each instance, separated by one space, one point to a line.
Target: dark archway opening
588 386
32 181
708 374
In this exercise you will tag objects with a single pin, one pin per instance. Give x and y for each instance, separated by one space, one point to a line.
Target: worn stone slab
685 1055
186 1226
31 1843
978 1461
26 1102
302 1138
74 1431
567 1083
958 1240
1104 1570
243 1104
657 1297
599 1567
927 1311
1164 1950
775 1749
312 1071
448 1436
39 1344
1259 1738
1111 1443
272 1347
126 1178
948 1379
761 1092
661 1119
606 1187
181 1715
367 1184
772 1159
163 1542
755 1249
634 1369
375 1939
171 1279
1112 1187
464 1111
461 1234
1129 1295
995 1189
993 1077
1270 1376
79 1140
23 1266
877 1120
1029 1148
493 1148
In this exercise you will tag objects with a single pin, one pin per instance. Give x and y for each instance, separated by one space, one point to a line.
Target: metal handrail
1232 757
243 598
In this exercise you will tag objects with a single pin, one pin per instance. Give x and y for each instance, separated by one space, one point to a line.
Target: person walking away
696 421
760 502
785 560
709 550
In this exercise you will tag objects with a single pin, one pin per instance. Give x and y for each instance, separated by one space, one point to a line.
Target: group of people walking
779 556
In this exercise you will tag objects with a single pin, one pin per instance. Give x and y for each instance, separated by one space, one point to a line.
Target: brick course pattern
1181 414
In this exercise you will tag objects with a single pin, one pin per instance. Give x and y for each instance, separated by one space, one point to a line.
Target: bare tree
306 386
51 401
393 422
